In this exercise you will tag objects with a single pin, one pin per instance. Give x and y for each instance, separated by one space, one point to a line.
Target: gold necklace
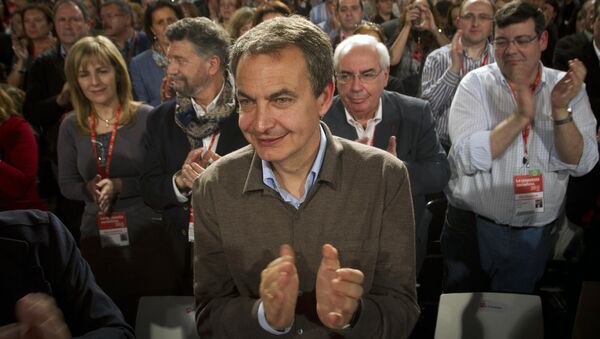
106 121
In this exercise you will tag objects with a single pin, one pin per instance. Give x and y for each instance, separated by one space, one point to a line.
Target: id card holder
529 192
191 224
113 229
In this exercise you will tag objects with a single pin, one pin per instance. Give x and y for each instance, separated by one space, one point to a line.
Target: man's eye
283 101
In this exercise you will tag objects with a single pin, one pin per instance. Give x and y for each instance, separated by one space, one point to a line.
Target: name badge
113 229
529 193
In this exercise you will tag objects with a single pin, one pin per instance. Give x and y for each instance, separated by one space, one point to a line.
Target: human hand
40 318
413 16
426 22
196 161
567 88
338 290
19 47
109 188
64 97
456 52
279 289
524 98
92 188
166 91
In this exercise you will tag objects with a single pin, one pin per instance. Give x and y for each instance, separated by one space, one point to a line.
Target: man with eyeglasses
518 131
447 65
400 124
117 23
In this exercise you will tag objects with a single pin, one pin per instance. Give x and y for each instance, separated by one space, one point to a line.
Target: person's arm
19 165
71 184
221 312
397 48
438 82
430 172
575 141
89 312
156 180
389 309
468 128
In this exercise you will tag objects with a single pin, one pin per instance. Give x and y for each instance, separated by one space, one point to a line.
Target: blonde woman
99 156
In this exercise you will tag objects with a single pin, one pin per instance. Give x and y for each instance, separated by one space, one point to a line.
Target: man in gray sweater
301 233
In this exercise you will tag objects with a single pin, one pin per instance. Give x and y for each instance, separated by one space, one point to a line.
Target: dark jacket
37 254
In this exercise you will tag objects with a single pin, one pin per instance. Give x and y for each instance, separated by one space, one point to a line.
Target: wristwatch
566 120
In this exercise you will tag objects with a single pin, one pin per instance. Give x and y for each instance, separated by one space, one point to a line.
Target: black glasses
520 41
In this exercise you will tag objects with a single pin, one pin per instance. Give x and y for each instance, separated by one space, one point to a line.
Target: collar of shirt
200 111
489 49
63 51
597 49
371 124
270 180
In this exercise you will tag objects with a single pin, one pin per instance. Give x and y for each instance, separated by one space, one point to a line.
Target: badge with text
113 229
529 193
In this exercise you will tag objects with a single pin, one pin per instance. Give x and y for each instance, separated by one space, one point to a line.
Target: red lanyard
212 141
104 172
483 63
525 132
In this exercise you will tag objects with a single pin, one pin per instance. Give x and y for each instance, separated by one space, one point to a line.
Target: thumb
286 250
330 257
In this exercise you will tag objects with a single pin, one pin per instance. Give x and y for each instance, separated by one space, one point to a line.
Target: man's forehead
68 9
111 8
526 27
472 6
349 3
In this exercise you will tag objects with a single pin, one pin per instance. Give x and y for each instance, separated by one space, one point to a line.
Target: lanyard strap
104 172
527 129
483 63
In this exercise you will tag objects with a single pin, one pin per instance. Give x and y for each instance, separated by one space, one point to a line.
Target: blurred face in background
114 22
70 24
350 14
161 19
36 24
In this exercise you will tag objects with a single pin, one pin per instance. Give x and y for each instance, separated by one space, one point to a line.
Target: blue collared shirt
270 180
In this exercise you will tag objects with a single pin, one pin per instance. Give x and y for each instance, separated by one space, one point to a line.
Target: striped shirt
485 186
439 84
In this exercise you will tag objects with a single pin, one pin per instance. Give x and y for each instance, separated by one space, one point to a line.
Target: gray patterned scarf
196 128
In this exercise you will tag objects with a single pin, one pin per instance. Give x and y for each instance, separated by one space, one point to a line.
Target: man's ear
326 98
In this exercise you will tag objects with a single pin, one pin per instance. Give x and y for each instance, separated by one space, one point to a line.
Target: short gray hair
362 40
209 39
276 34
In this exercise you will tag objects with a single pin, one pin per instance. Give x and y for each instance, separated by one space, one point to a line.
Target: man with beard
518 131
186 134
447 65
